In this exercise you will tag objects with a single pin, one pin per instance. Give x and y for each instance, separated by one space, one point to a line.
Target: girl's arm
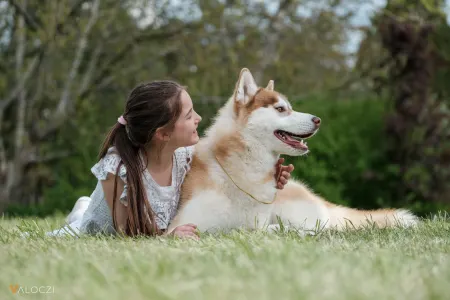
120 209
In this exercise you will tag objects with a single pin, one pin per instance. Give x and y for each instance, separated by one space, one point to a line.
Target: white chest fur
237 192
212 211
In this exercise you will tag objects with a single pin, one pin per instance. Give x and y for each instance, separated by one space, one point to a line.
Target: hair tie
122 120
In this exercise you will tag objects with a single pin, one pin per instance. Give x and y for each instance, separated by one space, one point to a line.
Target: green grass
365 264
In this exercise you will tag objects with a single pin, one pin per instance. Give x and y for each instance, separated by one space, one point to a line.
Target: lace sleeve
189 154
109 164
184 157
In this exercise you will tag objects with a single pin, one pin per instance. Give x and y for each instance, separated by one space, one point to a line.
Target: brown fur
262 98
357 218
196 178
227 144
339 214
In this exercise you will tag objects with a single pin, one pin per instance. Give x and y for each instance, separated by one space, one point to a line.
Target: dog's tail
344 217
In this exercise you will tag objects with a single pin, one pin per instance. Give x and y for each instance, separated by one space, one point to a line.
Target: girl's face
185 130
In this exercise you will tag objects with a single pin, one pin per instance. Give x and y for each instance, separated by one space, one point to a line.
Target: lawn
365 264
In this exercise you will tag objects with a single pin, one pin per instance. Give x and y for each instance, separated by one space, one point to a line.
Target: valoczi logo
43 289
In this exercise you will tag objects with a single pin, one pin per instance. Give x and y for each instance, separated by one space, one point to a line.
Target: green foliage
73 58
204 44
418 123
70 178
348 163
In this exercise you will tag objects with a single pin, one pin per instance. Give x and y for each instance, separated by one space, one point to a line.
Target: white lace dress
164 200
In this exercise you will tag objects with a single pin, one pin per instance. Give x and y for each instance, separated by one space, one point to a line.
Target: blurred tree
55 56
296 43
412 66
68 65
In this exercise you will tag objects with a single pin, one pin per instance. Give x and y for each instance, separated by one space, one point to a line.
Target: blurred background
376 72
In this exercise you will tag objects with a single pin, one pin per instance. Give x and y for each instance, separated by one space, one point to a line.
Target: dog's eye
280 109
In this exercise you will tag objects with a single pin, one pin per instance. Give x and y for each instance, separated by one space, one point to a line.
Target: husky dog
231 182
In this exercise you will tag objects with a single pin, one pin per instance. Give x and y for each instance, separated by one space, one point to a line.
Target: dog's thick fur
232 171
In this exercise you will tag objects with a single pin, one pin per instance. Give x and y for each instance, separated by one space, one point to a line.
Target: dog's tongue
291 139
294 142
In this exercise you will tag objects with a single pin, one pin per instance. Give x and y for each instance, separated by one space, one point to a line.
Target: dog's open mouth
293 140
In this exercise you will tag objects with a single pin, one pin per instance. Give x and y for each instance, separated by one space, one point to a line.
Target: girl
142 165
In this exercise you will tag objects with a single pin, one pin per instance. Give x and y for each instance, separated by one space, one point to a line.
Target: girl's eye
280 109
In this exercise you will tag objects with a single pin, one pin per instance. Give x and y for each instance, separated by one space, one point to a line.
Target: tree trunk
415 128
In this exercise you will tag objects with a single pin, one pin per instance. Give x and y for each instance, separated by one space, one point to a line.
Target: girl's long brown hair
149 106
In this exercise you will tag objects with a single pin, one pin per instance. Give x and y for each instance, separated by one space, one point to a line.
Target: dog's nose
316 120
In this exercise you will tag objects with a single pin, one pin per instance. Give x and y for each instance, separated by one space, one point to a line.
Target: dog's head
267 115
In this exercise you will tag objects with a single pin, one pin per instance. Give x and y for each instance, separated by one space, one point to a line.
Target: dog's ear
245 87
270 85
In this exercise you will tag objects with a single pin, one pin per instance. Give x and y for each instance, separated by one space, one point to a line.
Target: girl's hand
186 231
282 173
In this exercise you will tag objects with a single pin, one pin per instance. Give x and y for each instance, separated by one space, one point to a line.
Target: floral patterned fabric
163 199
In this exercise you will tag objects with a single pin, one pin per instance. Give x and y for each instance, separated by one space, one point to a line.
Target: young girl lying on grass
142 165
